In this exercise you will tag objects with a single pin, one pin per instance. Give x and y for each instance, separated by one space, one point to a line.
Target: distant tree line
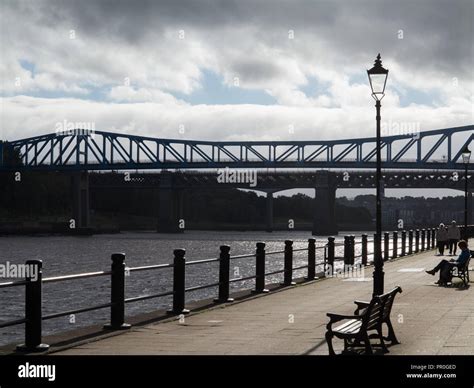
34 195
45 195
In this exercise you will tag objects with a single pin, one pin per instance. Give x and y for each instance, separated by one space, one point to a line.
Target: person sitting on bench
445 266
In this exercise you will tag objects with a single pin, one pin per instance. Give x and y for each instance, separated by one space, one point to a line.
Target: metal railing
33 287
410 242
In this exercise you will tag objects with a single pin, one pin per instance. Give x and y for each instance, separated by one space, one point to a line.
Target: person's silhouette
444 267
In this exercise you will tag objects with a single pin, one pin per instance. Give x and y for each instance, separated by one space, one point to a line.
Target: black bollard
410 241
33 309
347 250
288 263
331 252
311 259
224 269
417 240
179 283
423 239
117 294
260 269
395 245
352 249
404 241
364 252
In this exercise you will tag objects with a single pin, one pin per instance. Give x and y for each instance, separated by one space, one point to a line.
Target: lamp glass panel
377 82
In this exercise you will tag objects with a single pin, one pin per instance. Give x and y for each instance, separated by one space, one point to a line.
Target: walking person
444 267
454 235
441 238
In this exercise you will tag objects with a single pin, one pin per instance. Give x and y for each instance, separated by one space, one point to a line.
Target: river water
64 255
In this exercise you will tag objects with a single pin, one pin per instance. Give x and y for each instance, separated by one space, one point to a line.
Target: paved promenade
427 319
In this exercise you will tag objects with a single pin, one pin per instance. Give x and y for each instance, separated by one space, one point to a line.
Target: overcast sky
233 70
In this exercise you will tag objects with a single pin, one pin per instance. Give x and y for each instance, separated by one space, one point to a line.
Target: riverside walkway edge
428 320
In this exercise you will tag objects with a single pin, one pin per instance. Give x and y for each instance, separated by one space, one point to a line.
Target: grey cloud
437 33
254 71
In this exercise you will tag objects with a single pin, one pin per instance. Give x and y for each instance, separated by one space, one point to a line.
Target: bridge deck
427 319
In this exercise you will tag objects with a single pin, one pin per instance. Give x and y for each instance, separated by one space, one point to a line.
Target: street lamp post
378 79
466 156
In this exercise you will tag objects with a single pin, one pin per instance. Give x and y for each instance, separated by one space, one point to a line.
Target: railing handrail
420 239
149 267
13 283
84 275
246 256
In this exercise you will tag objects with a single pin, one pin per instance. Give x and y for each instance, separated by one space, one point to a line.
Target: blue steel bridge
113 151
428 159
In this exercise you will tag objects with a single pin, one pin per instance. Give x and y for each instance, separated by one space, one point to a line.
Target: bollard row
403 243
33 288
411 241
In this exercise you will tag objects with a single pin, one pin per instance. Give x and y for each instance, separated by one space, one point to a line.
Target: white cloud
129 94
28 116
141 41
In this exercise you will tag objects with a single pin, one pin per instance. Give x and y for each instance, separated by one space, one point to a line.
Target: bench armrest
360 306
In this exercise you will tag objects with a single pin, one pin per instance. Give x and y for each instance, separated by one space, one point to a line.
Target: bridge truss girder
112 151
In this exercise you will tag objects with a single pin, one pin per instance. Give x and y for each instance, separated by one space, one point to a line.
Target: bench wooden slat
349 327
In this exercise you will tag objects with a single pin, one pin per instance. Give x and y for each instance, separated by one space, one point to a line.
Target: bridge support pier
324 221
170 206
269 212
80 200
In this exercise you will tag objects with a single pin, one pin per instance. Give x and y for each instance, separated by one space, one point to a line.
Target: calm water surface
63 255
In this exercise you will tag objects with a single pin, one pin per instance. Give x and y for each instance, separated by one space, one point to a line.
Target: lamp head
378 79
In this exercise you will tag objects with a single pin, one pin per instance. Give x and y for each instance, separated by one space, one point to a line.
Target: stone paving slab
427 319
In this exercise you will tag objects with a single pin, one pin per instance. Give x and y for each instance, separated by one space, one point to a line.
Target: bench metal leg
464 277
329 342
391 334
382 343
368 346
346 345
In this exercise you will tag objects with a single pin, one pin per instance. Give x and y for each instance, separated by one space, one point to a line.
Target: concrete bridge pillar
170 205
269 212
80 199
324 221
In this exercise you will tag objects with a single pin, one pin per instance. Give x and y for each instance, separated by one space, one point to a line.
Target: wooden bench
388 303
462 272
369 316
